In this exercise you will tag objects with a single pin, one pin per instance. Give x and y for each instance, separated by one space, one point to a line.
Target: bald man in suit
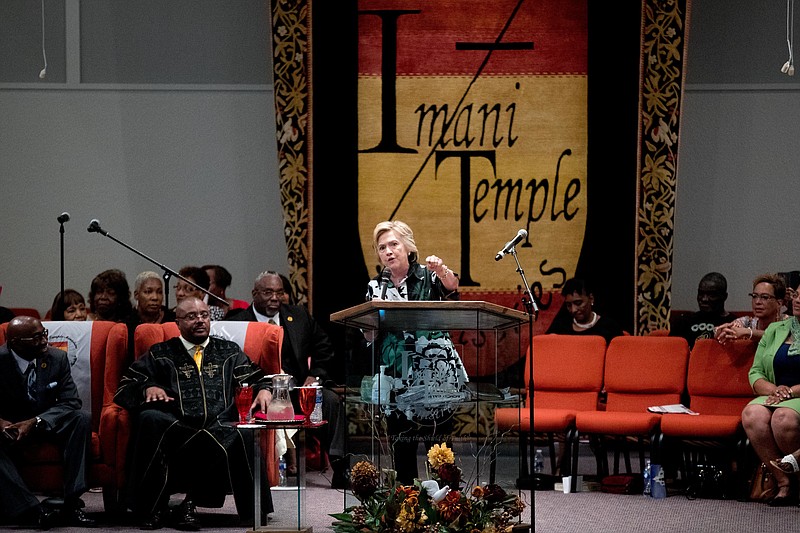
39 402
304 340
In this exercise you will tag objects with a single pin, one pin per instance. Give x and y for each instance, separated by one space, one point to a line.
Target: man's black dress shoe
76 517
152 522
40 517
184 517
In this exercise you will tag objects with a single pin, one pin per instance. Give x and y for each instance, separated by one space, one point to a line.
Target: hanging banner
472 125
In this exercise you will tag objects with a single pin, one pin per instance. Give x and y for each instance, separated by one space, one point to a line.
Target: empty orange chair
568 373
639 372
26 311
718 387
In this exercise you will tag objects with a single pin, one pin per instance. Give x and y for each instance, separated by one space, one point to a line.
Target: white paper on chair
673 408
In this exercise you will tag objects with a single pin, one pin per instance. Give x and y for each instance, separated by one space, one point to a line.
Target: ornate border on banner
291 51
661 90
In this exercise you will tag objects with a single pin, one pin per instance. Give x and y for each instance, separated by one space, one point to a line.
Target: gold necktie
271 321
198 356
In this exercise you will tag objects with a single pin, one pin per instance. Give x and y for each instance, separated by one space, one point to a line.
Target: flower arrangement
436 505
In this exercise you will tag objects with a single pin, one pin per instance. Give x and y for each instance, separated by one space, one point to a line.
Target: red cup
244 399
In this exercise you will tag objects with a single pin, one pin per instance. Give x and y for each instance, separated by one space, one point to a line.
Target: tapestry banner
472 125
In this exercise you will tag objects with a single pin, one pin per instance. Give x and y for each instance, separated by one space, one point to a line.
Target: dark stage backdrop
625 241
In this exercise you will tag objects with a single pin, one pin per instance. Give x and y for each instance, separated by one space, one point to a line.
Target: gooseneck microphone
94 227
63 217
386 275
521 234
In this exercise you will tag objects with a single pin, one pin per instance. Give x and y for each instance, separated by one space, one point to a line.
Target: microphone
63 217
386 274
94 227
521 234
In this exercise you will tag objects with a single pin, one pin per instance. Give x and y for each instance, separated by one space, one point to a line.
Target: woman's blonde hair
403 232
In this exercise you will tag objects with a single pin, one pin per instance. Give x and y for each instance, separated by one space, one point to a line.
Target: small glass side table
289 502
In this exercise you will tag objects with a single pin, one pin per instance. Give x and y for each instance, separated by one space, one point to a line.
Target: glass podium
478 331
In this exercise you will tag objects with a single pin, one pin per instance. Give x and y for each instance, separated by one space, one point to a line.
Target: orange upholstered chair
719 388
515 419
639 372
26 311
42 469
262 343
568 377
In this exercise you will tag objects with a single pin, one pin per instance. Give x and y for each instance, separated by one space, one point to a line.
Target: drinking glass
307 397
244 399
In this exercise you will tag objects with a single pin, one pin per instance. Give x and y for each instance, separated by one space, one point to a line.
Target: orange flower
452 507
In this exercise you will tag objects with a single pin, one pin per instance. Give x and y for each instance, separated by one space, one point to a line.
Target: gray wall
173 151
738 158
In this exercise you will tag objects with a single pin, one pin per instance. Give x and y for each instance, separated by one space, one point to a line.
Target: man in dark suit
182 397
303 340
39 402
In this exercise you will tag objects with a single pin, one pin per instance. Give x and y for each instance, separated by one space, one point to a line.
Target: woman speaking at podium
427 375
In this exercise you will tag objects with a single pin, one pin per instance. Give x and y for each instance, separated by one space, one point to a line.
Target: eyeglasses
762 297
191 317
42 335
267 293
792 294
185 288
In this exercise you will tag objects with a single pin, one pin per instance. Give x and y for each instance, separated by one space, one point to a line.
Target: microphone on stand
386 275
521 234
63 217
94 227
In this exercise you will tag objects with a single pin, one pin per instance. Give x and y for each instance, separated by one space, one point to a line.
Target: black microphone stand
61 230
529 302
168 272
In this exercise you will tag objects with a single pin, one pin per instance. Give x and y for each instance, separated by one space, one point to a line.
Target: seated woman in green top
772 420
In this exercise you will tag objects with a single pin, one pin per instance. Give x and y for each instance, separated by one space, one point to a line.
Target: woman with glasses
772 420
768 295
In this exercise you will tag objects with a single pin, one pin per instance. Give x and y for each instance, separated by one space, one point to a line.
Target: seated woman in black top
578 317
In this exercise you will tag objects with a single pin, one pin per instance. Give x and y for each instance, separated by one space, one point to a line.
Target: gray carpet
554 512
320 501
596 511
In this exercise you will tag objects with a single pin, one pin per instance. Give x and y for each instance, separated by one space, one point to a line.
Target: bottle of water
538 463
316 414
282 472
646 475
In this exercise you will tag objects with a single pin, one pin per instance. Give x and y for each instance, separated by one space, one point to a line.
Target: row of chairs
583 389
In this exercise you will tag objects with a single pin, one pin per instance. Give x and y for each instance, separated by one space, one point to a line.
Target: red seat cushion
617 423
704 426
551 420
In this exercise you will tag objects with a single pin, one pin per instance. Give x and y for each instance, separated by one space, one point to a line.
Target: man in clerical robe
182 398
